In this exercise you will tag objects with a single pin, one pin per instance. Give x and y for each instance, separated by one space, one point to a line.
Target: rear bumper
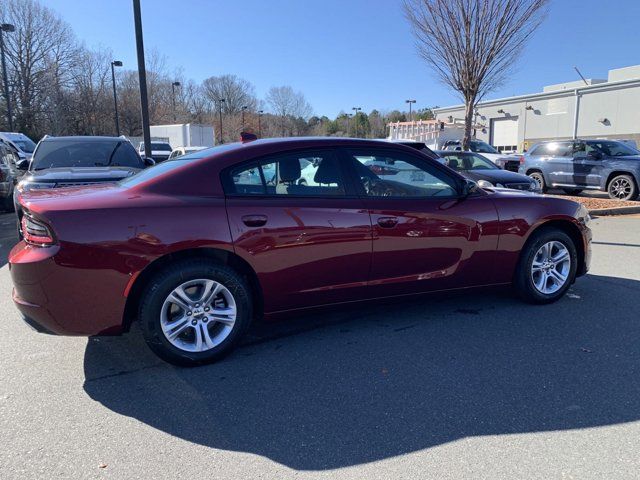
59 298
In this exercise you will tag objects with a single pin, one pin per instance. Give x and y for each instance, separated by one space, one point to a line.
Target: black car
484 172
9 174
68 161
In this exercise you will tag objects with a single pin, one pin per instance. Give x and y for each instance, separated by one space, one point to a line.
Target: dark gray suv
576 165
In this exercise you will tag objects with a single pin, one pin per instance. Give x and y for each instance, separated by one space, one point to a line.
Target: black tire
622 187
523 280
539 179
572 191
165 282
7 203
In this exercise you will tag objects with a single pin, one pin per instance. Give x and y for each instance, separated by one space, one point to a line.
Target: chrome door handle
387 222
254 220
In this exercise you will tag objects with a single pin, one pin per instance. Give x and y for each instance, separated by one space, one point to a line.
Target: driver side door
426 236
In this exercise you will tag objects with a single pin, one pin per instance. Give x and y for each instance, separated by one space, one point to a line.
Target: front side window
610 148
394 174
301 174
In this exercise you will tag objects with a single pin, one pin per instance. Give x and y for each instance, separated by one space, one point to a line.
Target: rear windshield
153 172
162 147
79 153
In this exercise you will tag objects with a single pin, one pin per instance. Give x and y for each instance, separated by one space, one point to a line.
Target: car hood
80 174
495 175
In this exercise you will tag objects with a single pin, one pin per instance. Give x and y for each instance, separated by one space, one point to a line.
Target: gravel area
593 203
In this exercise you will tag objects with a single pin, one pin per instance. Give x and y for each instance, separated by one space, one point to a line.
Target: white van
23 144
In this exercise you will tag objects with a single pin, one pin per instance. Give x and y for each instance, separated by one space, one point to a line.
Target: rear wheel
572 191
195 312
539 179
547 267
622 187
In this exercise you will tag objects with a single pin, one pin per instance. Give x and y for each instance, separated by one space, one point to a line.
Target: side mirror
22 164
469 187
594 155
148 161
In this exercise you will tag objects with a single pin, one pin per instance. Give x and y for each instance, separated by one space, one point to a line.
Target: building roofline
543 95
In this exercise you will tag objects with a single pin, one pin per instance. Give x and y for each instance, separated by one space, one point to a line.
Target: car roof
81 138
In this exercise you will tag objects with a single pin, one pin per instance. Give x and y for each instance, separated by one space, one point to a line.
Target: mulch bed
593 203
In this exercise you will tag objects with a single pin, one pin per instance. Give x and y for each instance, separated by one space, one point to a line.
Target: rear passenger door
298 222
558 162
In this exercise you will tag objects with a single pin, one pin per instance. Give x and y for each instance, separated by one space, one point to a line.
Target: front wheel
539 179
622 187
195 312
547 267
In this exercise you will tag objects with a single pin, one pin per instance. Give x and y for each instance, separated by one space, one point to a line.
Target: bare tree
236 92
471 44
289 106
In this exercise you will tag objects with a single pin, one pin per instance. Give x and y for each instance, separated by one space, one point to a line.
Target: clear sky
345 53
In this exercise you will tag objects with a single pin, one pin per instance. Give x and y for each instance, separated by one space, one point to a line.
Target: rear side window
306 174
553 149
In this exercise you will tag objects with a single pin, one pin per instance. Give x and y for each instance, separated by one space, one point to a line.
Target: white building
598 109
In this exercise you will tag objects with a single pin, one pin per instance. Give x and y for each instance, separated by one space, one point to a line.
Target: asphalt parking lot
473 385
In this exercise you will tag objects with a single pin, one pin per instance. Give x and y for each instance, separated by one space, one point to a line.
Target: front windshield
25 145
465 161
479 146
611 148
78 153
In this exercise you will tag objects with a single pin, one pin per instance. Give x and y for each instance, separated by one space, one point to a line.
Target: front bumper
58 297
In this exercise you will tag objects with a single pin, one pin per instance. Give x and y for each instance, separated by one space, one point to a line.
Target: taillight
36 233
522 160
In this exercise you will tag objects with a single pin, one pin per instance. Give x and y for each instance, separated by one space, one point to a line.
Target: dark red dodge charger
196 247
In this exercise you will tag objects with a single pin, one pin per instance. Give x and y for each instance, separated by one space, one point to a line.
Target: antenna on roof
581 76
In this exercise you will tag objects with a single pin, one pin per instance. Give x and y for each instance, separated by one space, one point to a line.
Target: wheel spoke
226 316
561 256
180 298
559 278
174 329
210 291
542 281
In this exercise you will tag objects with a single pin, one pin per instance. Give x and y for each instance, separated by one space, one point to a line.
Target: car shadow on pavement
387 380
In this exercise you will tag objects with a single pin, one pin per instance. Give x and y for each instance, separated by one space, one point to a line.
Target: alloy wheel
620 188
551 267
198 315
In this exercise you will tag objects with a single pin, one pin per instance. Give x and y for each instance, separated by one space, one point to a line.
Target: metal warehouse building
594 108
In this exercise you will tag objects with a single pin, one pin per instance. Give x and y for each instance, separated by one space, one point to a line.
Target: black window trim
229 187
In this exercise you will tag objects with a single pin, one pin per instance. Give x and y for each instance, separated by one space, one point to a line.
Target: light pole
244 107
348 115
260 112
115 63
410 102
355 117
173 91
6 27
142 77
220 102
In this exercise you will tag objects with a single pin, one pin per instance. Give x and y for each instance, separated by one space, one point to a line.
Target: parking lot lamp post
260 112
410 102
115 63
220 102
243 110
355 117
173 91
6 27
142 79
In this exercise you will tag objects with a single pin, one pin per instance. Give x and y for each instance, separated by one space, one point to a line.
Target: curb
615 211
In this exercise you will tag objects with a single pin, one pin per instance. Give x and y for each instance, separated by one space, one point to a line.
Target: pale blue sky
345 53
